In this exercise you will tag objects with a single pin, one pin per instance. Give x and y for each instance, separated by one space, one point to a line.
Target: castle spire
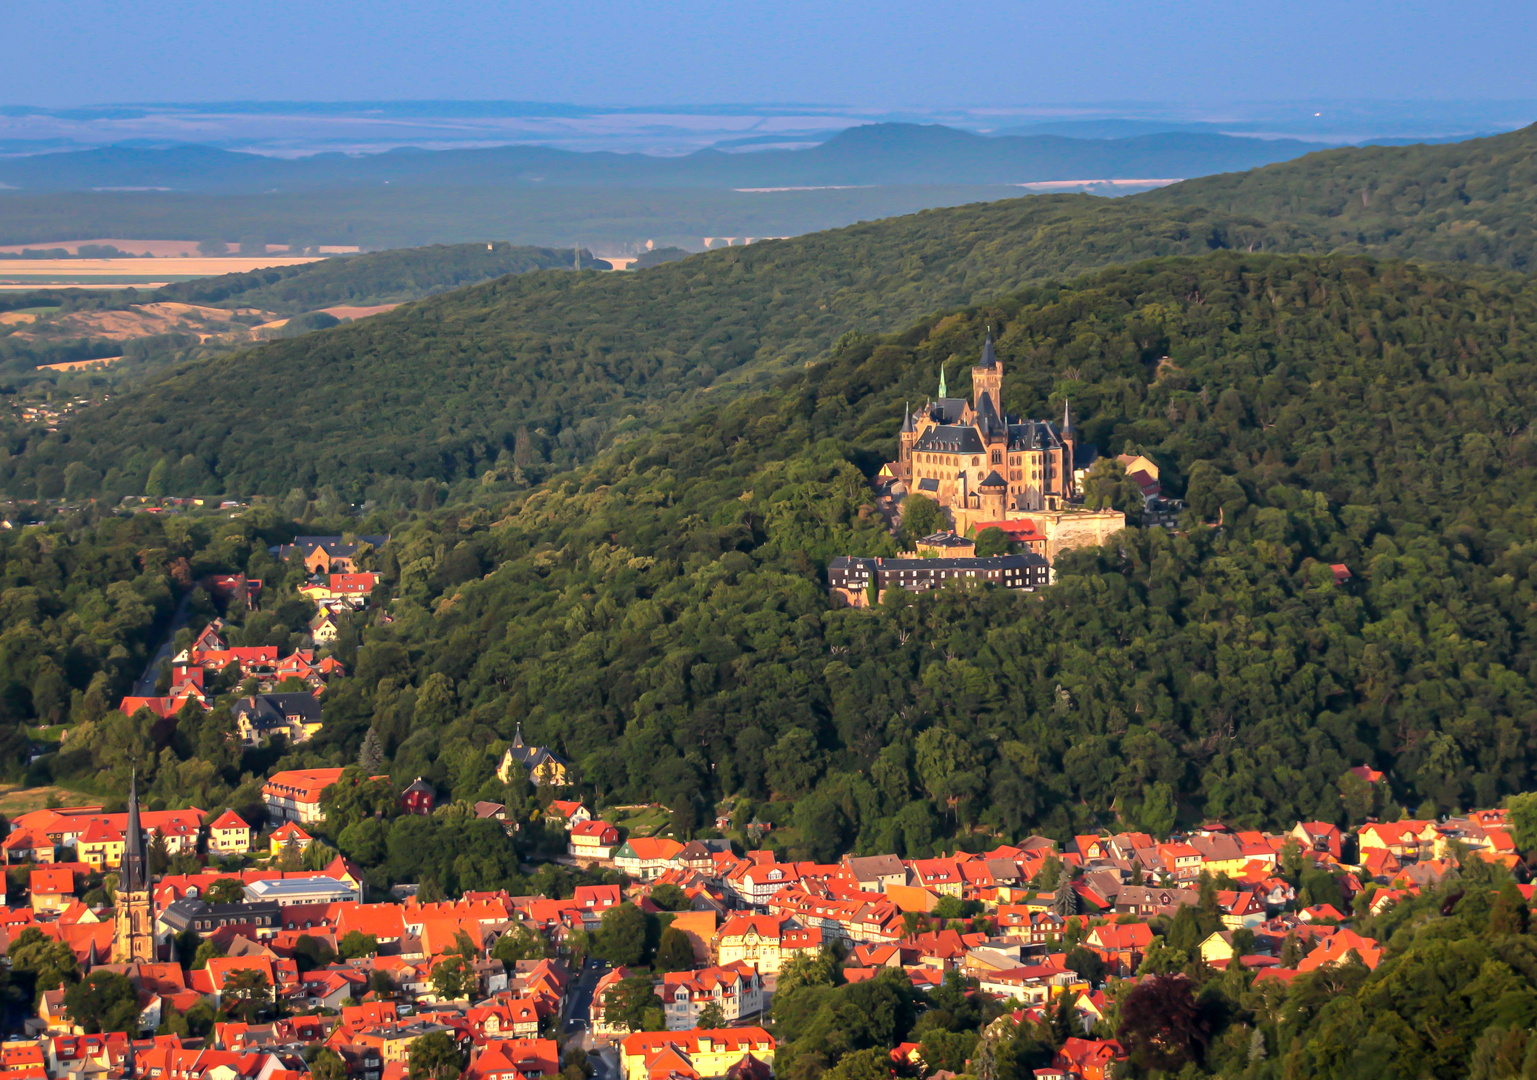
907 417
1067 418
943 393
989 358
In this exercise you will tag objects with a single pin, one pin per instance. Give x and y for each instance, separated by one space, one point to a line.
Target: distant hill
383 277
539 370
873 154
1472 201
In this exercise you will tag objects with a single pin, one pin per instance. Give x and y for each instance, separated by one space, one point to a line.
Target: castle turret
1069 448
993 496
987 380
908 436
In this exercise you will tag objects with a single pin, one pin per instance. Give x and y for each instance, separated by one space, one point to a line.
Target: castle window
997 457
976 461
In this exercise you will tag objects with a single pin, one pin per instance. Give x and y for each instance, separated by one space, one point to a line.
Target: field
348 311
15 799
160 249
79 365
86 272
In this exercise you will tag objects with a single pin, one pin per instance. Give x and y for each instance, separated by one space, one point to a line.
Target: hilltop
660 616
1472 201
534 371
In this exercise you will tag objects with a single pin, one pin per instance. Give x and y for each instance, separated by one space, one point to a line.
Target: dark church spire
907 418
1067 419
135 875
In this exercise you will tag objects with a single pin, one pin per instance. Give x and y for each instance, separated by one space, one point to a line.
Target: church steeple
989 358
1067 419
135 872
133 932
943 393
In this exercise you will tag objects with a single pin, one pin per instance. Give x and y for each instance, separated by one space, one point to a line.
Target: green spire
942 392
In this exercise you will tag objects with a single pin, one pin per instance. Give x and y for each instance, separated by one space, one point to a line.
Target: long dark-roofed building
849 577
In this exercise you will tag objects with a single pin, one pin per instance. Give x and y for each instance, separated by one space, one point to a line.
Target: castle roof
988 358
993 480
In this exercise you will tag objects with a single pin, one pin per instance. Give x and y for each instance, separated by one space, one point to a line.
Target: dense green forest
534 372
1473 201
660 618
382 277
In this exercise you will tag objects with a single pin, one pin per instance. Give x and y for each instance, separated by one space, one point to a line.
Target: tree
328 1065
355 943
47 962
674 952
1509 913
669 897
1162 1025
1089 964
206 951
103 1001
807 969
1523 820
990 542
248 993
921 516
224 890
371 753
436 1057
452 977
524 943
710 1017
622 935
630 1002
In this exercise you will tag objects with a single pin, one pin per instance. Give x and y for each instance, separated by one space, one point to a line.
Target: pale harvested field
345 311
77 365
15 799
144 319
85 269
12 318
160 249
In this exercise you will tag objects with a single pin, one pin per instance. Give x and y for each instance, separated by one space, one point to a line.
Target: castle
977 462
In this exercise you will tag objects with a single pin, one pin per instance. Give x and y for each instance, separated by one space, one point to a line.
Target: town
179 944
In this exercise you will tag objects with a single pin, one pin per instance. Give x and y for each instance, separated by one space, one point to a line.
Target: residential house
594 840
295 795
539 763
699 1053
736 989
752 940
229 834
644 858
295 716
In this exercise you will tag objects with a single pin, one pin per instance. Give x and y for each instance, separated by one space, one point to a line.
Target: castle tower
1069 444
993 497
908 436
133 932
987 380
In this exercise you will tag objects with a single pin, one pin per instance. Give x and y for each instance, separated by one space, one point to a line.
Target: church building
133 917
970 457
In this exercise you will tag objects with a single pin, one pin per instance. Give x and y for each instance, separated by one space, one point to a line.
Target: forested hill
532 371
1473 201
660 616
382 277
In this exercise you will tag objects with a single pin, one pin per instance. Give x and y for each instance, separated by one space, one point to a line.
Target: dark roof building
850 576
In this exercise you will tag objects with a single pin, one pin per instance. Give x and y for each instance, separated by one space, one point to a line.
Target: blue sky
673 52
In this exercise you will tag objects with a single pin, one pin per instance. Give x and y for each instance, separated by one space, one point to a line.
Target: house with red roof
52 889
294 795
1121 946
229 834
1091 1059
594 840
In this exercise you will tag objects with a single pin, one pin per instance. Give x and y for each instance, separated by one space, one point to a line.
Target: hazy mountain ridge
870 154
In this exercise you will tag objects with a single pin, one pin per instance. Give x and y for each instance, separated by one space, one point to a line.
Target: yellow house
229 834
751 939
706 1052
542 767
101 845
1218 947
288 833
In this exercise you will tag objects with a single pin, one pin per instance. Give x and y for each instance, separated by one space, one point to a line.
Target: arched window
976 461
